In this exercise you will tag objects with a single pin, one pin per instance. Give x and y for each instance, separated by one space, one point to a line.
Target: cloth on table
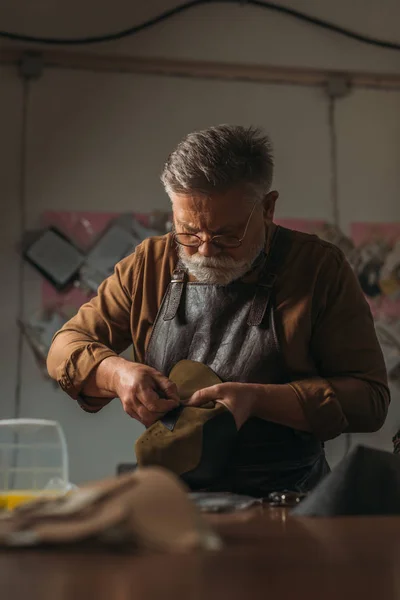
148 510
365 482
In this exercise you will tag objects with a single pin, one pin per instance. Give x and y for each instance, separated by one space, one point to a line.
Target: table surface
267 554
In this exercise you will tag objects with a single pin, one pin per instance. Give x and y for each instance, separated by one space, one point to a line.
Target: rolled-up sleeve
100 329
350 393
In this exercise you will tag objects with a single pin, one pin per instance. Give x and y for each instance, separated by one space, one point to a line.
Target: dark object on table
285 499
365 482
222 502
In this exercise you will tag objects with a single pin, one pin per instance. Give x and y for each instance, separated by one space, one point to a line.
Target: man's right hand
145 394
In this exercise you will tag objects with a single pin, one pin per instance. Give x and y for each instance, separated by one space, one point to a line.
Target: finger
152 401
128 408
209 394
148 398
134 408
167 387
148 418
225 403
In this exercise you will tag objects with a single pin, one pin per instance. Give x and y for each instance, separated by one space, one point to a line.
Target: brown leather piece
191 376
182 449
179 450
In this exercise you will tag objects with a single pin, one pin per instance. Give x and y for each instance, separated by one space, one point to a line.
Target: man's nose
208 249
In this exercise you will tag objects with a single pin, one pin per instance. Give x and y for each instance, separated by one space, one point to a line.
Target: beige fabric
148 510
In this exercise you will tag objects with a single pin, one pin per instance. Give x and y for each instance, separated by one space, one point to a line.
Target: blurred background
85 128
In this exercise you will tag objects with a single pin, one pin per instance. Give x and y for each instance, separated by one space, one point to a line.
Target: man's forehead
229 206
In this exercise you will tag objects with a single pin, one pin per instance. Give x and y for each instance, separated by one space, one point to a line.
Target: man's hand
239 399
145 394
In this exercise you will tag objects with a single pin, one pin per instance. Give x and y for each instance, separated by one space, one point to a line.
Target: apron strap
261 301
175 292
280 245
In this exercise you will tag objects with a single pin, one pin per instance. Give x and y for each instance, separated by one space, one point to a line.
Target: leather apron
232 329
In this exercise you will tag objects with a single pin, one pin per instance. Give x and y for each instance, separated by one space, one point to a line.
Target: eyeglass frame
210 241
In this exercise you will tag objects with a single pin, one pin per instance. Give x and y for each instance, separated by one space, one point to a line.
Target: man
278 315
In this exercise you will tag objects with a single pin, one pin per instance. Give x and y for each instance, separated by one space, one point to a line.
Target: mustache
216 262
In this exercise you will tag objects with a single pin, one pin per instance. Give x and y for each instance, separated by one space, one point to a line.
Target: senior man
277 314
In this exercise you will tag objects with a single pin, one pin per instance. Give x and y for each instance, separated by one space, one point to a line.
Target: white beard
220 269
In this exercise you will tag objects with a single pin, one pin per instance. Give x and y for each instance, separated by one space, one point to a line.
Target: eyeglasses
221 241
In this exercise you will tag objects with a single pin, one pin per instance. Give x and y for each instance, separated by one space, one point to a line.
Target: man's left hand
239 399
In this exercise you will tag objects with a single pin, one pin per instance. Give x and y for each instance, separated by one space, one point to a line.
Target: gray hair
220 158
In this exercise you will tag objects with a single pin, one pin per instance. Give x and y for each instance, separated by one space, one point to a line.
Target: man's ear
269 205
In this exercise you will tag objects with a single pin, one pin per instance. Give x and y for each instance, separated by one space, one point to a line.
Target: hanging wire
22 232
333 161
21 273
181 8
334 193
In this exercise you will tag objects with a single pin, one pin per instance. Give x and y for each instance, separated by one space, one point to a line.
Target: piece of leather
189 377
194 442
198 447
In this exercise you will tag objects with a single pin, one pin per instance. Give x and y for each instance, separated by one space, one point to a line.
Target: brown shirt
325 326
